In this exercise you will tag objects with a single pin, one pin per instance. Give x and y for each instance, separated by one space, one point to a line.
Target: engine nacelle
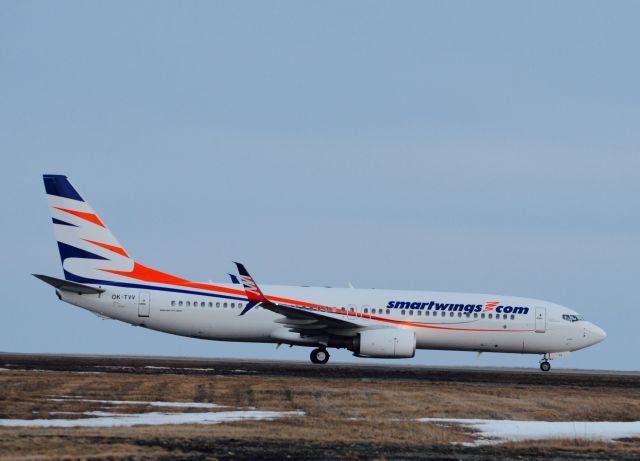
387 343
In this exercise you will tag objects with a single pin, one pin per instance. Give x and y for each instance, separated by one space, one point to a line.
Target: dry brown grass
610 450
348 410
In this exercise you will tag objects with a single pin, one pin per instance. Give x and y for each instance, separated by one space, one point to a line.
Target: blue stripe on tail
68 251
56 184
58 221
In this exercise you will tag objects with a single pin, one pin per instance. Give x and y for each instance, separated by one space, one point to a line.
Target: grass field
353 418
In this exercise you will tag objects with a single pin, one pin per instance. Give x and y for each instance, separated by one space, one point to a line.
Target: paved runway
206 366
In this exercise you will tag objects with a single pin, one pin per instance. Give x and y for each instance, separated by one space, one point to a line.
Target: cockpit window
572 318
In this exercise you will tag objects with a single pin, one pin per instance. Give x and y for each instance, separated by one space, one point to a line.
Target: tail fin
87 247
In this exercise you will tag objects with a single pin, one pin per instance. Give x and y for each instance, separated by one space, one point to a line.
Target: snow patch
140 402
105 419
497 431
179 369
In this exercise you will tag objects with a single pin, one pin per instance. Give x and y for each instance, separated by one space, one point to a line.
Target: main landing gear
319 355
545 365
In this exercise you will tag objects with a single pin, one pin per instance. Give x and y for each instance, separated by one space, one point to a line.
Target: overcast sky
461 146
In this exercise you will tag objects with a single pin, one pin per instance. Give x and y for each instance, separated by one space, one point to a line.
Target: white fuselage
537 329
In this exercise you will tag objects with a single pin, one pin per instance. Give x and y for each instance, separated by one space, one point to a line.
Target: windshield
572 318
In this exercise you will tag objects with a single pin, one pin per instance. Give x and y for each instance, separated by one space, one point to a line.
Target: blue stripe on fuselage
74 278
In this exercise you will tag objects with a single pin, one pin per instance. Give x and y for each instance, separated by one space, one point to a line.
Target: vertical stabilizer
87 247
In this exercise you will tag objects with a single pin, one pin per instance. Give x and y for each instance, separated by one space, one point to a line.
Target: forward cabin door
541 319
143 304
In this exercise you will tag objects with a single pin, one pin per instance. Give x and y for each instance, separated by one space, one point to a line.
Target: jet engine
387 343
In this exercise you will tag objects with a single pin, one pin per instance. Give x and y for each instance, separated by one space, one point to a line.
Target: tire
545 366
319 356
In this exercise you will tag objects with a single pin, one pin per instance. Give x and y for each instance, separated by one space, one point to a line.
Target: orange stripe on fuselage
115 249
147 274
81 214
435 327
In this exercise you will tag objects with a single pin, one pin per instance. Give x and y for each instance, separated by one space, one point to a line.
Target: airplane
101 276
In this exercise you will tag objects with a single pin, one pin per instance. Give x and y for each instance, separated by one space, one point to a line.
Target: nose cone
595 334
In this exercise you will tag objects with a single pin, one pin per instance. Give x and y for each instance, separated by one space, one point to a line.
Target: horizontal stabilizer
66 285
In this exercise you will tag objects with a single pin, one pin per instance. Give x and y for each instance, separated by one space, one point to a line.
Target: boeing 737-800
100 276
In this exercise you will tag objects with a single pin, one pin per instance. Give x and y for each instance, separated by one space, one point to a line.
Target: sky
487 147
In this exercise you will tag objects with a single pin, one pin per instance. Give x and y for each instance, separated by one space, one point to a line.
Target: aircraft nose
595 333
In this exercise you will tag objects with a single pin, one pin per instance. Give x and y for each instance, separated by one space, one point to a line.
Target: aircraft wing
296 318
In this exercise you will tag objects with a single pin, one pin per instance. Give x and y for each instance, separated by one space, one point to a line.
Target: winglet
251 288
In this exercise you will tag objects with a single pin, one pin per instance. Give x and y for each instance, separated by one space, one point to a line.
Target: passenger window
233 304
482 315
490 316
210 304
202 304
173 303
188 303
459 314
217 304
451 315
475 316
179 303
426 313
443 314
410 312
239 305
366 311
388 312
419 312
513 317
224 305
351 309
402 312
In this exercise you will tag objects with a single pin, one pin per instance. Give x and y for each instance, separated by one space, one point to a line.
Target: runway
334 370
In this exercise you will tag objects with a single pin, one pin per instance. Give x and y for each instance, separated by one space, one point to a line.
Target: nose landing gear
319 355
545 365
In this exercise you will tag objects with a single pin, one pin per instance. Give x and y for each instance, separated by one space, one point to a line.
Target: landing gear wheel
319 355
545 366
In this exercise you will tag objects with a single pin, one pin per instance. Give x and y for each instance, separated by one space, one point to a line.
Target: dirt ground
349 412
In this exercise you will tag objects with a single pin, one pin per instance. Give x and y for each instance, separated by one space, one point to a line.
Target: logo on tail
87 247
251 288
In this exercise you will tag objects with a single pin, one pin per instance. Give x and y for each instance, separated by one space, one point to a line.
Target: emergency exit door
143 304
541 319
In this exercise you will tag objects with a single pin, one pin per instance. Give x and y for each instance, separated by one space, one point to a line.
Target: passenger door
143 304
541 319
